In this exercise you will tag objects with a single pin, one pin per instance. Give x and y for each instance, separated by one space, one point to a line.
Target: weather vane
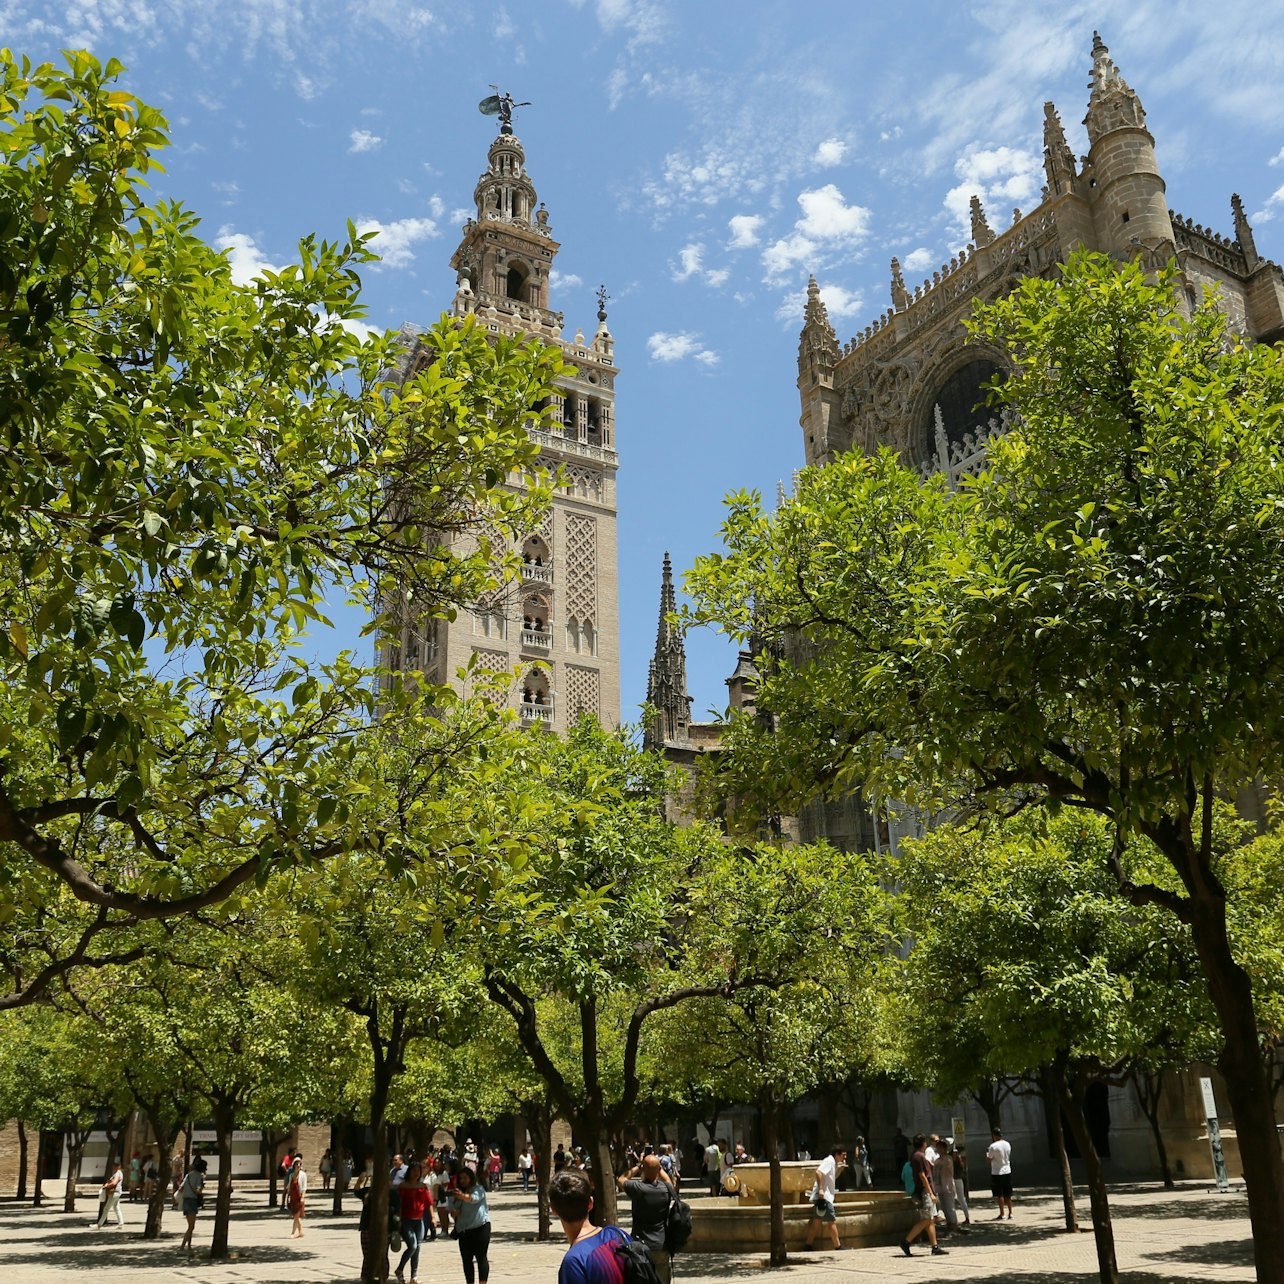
500 105
602 300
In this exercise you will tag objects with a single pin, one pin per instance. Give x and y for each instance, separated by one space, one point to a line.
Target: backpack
677 1225
635 1262
907 1178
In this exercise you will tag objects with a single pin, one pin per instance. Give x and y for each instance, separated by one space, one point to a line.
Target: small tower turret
817 357
1244 233
900 295
666 687
1058 159
1130 210
982 232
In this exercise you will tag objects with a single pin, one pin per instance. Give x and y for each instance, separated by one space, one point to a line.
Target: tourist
494 1169
559 1158
951 1191
472 1226
1000 1156
397 1173
415 1199
650 1192
861 1166
823 1211
176 1174
591 1258
297 1196
472 1160
190 1189
327 1168
135 1176
346 1166
110 1193
713 1166
670 1163
525 1166
444 1194
925 1198
367 1175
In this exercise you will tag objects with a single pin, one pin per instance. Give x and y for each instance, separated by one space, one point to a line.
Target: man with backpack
650 1192
592 1257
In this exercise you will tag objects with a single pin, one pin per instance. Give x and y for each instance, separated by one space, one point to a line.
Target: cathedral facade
558 627
912 379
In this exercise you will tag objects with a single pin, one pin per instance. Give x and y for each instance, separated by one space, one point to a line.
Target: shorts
1001 1185
926 1209
823 1211
190 1205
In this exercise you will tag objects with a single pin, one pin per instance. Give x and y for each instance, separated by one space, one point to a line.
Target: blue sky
698 157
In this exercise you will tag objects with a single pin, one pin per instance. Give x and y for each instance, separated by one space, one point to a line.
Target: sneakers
905 1248
938 1251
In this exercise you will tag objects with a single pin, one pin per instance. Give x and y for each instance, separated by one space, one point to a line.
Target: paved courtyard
1163 1237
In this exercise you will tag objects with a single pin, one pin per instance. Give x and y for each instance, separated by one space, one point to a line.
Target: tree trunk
164 1136
541 1118
374 1261
224 1123
75 1152
337 1131
605 1207
22 1160
1052 1088
1247 1083
1103 1231
272 1142
1150 1094
779 1256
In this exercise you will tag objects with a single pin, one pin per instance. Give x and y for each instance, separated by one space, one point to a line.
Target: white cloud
436 206
502 26
229 190
691 264
394 242
567 280
1272 208
1002 177
917 260
830 153
828 223
1278 158
460 215
679 347
306 87
744 230
243 254
364 141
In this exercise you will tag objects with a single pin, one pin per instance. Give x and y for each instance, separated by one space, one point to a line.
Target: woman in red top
416 1204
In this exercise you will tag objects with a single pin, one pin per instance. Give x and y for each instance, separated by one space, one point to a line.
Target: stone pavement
1162 1237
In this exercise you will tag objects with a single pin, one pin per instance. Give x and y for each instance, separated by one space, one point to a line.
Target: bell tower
558 626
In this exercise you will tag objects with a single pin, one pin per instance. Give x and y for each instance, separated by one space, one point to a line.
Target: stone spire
900 296
1058 159
1112 104
818 344
666 688
1244 233
982 232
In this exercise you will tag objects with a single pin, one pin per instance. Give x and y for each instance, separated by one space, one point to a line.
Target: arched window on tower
515 284
573 635
588 638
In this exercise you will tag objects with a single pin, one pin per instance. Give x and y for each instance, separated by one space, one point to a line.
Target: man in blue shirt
591 1257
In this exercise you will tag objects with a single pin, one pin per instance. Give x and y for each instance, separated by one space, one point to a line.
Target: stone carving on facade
582 692
581 566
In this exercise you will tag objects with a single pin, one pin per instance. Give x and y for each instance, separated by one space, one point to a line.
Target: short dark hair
919 1139
837 1149
570 1193
996 1132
